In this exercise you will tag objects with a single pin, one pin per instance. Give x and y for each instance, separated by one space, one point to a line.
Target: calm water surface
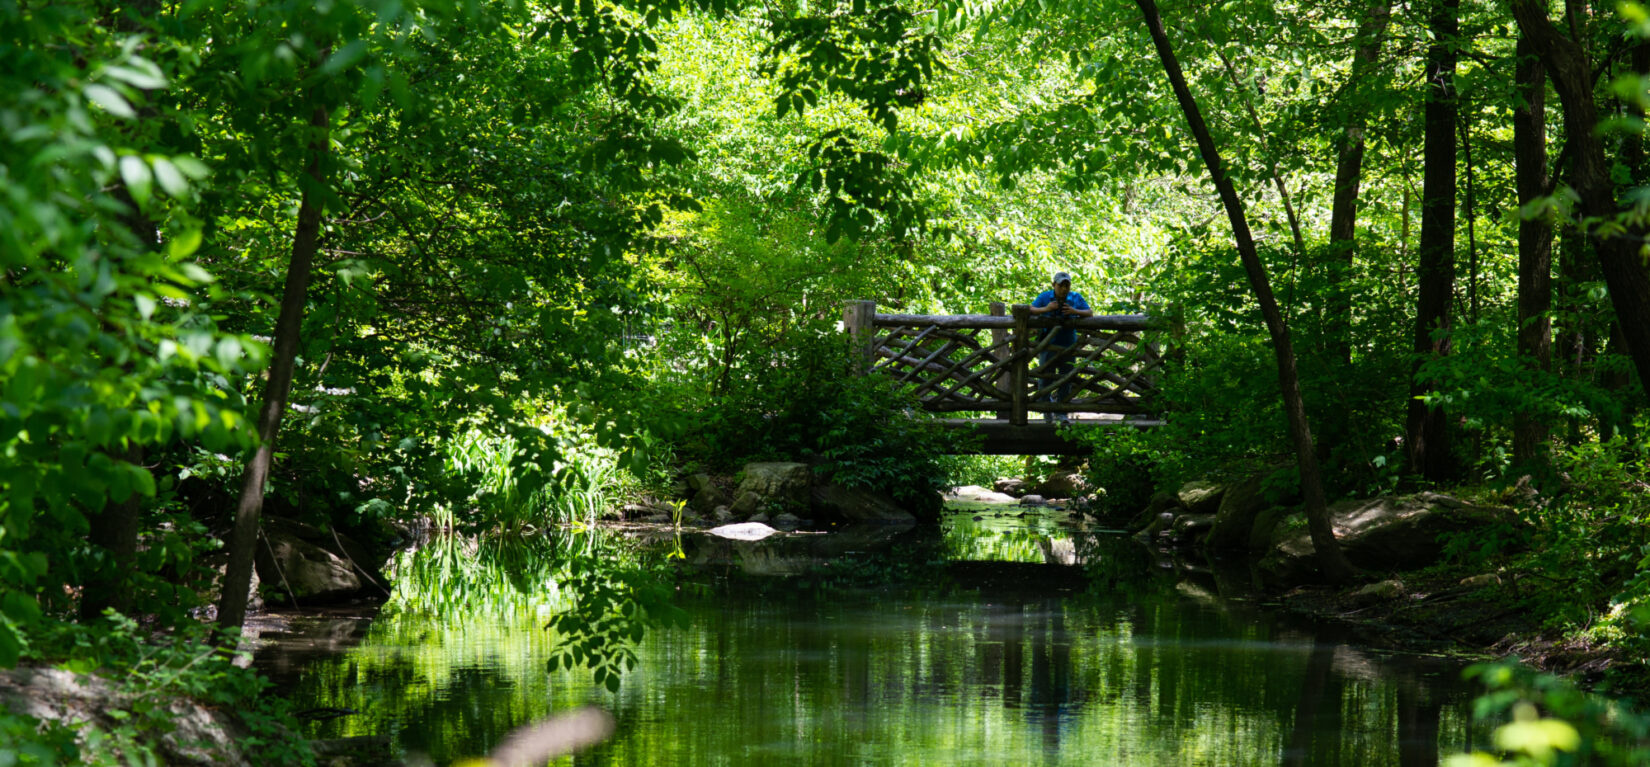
1001 640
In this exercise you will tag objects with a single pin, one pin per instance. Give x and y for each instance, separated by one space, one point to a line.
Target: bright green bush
1126 468
798 401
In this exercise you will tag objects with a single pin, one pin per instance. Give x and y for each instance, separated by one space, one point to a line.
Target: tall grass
534 478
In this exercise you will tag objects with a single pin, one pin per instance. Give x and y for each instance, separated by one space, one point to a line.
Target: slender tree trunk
1575 337
237 579
1624 272
1418 718
1318 710
1471 208
1535 249
1334 563
1343 216
1428 426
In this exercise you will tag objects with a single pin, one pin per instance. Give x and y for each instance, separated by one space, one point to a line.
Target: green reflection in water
894 650
987 532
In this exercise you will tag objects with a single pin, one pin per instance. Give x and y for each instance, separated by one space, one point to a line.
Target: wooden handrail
989 322
956 366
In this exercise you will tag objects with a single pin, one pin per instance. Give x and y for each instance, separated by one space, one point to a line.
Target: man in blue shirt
1061 302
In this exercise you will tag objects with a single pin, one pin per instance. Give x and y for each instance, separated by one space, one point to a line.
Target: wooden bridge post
859 318
1022 346
998 335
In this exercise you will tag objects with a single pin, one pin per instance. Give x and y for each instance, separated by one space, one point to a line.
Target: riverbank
1435 611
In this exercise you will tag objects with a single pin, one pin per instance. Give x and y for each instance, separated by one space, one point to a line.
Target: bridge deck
1003 437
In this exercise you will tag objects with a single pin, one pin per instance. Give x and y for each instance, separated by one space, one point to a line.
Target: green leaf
19 609
344 57
1474 759
143 482
137 176
170 178
183 244
11 644
110 100
150 79
1537 737
192 167
195 273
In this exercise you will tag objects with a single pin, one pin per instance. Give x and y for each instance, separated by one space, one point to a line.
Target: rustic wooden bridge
991 367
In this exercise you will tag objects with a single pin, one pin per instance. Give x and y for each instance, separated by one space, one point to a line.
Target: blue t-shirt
1062 336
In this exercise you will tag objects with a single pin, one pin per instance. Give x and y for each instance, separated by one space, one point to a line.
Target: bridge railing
995 362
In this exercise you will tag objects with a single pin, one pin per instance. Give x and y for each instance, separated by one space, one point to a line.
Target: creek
1003 637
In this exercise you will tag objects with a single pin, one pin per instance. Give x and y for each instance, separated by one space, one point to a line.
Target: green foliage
877 54
612 608
106 345
1554 723
27 741
494 483
983 470
1579 551
601 596
799 402
522 199
1486 386
146 677
1126 468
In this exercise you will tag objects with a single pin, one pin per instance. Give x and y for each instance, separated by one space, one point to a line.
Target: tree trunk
1471 208
237 579
1418 719
1428 427
1535 249
1343 217
1624 271
115 531
1334 563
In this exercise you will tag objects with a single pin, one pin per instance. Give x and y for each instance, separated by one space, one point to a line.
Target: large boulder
1201 497
978 494
704 495
302 563
1189 527
1235 518
857 505
774 487
197 734
1385 534
1063 484
1013 486
1162 502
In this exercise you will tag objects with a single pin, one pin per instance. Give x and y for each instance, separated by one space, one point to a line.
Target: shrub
798 401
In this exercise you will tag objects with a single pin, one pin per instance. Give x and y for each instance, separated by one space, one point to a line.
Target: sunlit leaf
137 176
110 100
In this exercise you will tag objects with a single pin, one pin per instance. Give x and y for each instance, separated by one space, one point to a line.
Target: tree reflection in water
895 647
